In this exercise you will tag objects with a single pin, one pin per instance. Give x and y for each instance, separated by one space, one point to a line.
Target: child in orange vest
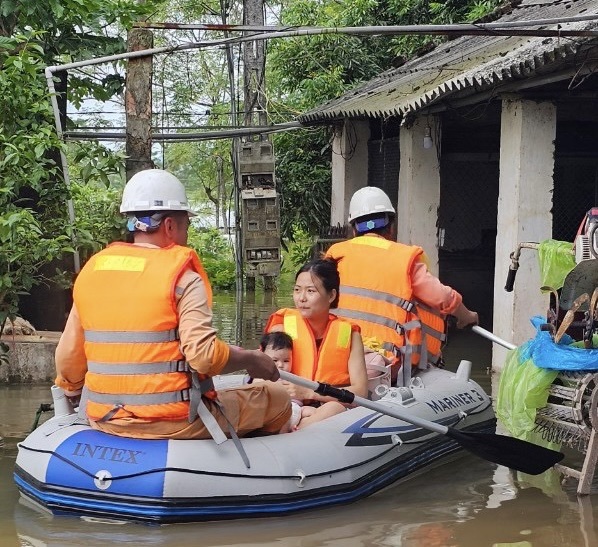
279 347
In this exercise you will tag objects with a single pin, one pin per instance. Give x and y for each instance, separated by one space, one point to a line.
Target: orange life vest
376 293
125 297
329 363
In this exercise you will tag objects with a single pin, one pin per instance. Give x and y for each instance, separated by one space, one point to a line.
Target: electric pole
260 204
138 103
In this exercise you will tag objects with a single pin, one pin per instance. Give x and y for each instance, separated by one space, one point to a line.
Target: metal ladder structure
570 418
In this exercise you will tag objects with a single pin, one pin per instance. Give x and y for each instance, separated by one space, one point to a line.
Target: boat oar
491 336
508 451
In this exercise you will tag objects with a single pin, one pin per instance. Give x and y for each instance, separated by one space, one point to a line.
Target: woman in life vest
326 348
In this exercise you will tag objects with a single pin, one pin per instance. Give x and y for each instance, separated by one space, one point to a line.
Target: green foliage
24 249
205 167
425 12
96 187
68 30
300 251
32 192
70 26
216 255
310 70
303 163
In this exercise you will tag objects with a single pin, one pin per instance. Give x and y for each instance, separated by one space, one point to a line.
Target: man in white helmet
139 339
387 290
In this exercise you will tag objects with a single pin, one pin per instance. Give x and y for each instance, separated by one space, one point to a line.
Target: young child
279 347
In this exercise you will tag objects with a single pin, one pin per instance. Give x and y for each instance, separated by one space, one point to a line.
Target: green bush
217 256
32 192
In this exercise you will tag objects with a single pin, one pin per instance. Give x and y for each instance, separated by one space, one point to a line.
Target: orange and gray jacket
330 362
125 296
377 294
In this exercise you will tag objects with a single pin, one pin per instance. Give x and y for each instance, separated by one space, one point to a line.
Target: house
485 142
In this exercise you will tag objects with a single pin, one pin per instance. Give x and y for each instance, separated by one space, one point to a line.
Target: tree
193 93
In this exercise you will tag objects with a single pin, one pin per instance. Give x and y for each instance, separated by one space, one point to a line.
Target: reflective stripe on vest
377 295
138 368
131 337
371 317
440 335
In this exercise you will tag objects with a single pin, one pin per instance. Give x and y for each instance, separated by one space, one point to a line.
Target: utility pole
260 204
138 103
254 67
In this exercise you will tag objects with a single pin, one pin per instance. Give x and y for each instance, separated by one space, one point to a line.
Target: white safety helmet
154 190
369 201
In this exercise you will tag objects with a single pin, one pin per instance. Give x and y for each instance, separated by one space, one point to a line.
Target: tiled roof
467 65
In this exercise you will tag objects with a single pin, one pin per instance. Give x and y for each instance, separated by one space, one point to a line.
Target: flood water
464 501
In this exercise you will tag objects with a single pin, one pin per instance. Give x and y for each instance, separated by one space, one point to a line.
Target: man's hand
466 317
74 397
256 363
259 365
469 321
298 392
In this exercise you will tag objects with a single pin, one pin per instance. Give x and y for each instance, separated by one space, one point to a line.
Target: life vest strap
233 435
112 412
204 386
433 332
140 399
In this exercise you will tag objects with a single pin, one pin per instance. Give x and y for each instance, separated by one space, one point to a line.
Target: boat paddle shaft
492 337
348 397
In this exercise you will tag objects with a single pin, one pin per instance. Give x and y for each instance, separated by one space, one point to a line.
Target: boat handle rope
209 473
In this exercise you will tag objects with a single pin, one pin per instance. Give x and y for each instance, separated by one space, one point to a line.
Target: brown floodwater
463 501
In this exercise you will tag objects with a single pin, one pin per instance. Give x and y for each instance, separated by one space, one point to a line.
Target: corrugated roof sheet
467 65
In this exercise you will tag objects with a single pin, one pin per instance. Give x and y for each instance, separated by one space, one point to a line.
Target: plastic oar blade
508 451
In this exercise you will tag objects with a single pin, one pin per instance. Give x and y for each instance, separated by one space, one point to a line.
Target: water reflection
464 502
457 504
242 321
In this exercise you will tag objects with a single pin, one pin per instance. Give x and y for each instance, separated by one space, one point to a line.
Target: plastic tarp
522 389
527 375
556 261
565 355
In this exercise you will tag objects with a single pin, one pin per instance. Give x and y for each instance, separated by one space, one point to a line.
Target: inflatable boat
66 467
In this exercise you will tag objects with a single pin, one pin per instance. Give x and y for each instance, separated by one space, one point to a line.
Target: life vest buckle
182 366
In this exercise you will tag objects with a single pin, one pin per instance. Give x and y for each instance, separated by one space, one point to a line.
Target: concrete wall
419 189
528 132
30 358
349 166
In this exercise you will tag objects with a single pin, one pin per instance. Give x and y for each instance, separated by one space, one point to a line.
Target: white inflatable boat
66 467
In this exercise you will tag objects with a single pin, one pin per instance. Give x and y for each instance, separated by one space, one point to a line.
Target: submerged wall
30 358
